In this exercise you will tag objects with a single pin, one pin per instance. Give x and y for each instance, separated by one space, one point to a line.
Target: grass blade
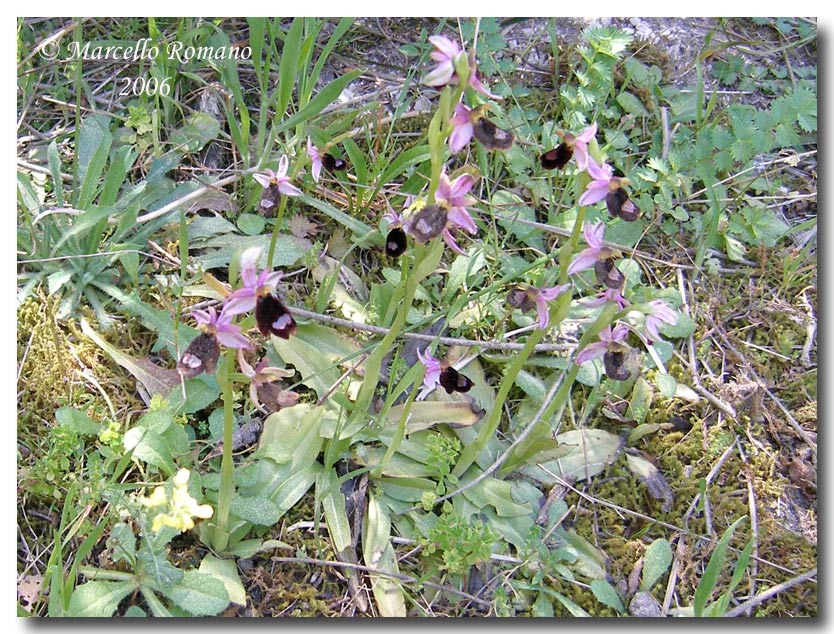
713 571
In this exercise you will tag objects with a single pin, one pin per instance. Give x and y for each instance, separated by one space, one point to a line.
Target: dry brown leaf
302 227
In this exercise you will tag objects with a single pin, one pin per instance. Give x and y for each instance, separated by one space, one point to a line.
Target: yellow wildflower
111 433
181 507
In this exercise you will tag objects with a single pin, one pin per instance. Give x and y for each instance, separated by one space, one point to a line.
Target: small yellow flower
181 478
110 434
158 498
181 507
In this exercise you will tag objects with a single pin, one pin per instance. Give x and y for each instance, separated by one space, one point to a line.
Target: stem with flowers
556 314
531 443
426 257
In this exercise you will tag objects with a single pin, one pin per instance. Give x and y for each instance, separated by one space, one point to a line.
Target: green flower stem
227 467
542 429
569 248
557 314
490 426
426 259
440 128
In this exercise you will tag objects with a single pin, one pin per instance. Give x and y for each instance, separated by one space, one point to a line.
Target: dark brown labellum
274 317
274 398
491 136
615 365
427 223
396 242
621 206
333 164
521 298
454 381
556 158
269 201
200 356
608 274
629 211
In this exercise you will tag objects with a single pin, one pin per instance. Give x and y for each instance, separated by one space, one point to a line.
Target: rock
644 605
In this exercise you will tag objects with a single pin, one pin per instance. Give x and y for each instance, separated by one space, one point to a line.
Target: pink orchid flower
580 146
221 326
433 369
462 129
608 295
544 295
608 339
452 196
586 258
315 157
660 314
447 52
260 375
599 187
255 285
279 178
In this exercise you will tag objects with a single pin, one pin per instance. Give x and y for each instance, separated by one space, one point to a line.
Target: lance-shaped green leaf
192 137
426 414
406 489
256 509
713 571
379 555
398 465
150 447
335 513
498 494
94 141
656 561
77 421
607 595
641 400
317 370
323 98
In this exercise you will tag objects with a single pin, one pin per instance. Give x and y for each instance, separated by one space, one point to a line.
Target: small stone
644 605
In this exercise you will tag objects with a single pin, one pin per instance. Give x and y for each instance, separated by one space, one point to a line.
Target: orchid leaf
427 414
257 510
199 593
641 400
291 435
583 454
335 513
406 489
378 554
317 371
